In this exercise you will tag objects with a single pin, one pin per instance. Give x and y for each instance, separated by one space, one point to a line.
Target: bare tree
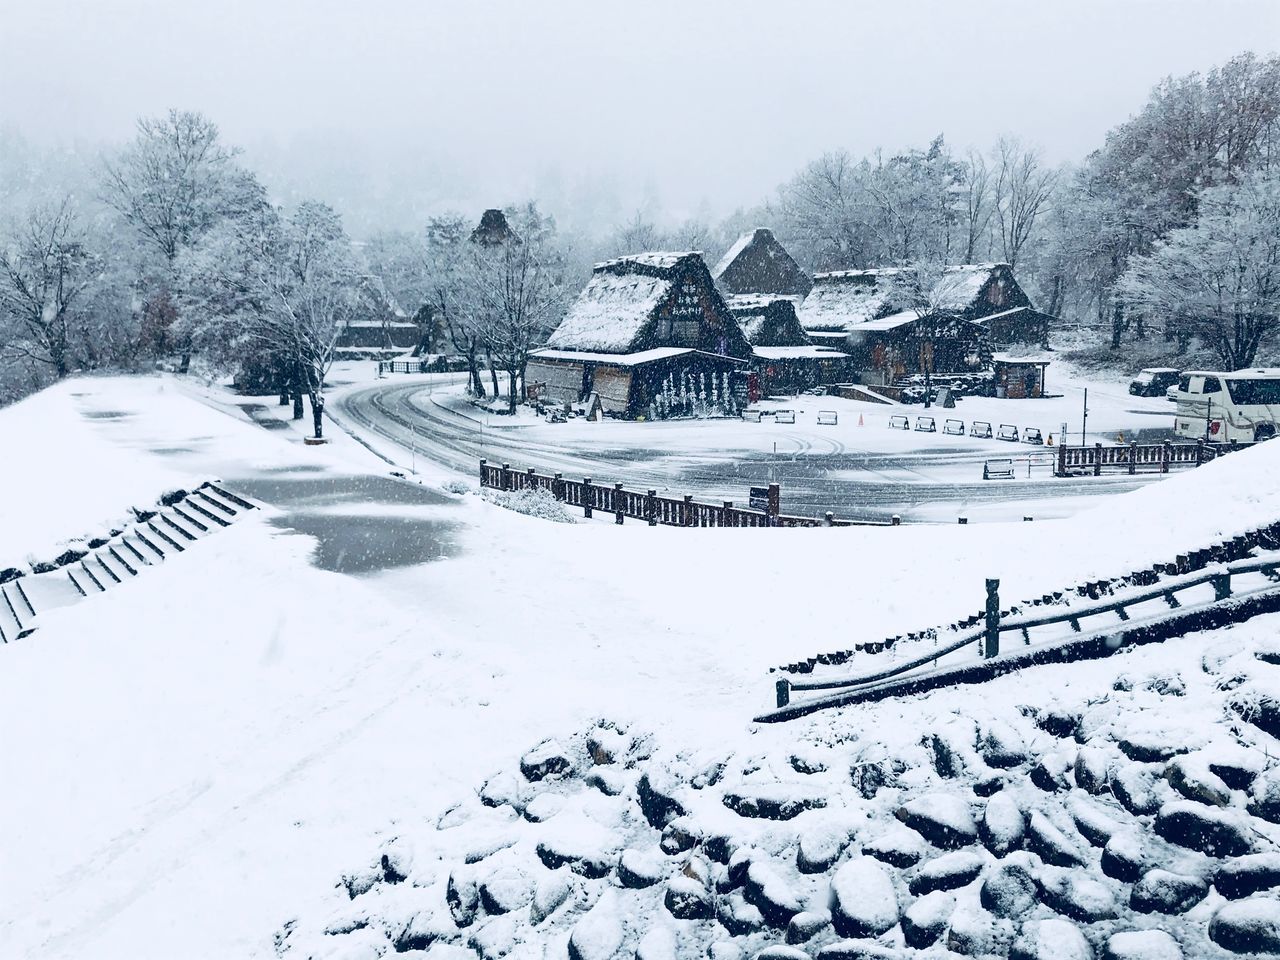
1022 188
977 204
45 270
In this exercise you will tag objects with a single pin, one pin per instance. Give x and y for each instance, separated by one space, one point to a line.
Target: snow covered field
200 756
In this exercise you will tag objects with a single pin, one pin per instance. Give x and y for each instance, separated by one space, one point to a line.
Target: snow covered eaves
661 259
891 322
1000 315
623 359
798 353
741 304
610 312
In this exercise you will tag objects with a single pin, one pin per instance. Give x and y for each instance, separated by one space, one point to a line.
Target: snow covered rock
496 938
587 848
1153 746
1051 939
1248 926
775 801
1237 766
638 869
504 890
608 781
1074 894
548 759
944 819
1010 888
780 952
1210 830
543 807
462 897
856 950
606 744
1162 891
1264 796
1058 720
657 795
502 788
1000 745
870 776
1190 776
864 902
1124 857
550 892
806 925
687 899
679 835
821 844
1051 772
598 934
897 846
1051 843
769 890
738 916
926 919
1096 823
1003 825
1135 787
975 932
1247 875
1092 769
1141 945
947 872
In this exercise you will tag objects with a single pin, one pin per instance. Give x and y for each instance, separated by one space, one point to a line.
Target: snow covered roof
960 285
732 253
611 311
743 304
662 259
620 359
758 263
1002 313
848 300
1010 358
891 322
797 353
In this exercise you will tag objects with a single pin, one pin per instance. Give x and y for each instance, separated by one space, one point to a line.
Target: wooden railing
653 509
994 623
1134 458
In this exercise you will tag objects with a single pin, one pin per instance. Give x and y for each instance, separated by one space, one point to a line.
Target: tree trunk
511 391
297 404
493 373
475 385
1118 325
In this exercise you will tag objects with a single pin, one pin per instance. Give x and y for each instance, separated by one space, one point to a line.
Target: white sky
388 108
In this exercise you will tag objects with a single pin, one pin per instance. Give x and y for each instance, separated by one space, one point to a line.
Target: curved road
817 474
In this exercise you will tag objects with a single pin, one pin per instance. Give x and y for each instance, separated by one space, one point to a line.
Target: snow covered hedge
533 503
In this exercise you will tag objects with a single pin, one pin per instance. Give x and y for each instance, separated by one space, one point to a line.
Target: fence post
651 507
533 479
586 497
774 509
686 518
1165 449
992 637
727 515
1097 459
1199 451
617 503
557 487
1133 457
895 520
1222 586
784 692
482 465
828 518
1062 457
506 476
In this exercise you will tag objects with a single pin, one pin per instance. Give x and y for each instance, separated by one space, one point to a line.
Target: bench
953 428
828 418
926 425
1032 435
751 416
1007 432
997 470
784 416
899 422
980 428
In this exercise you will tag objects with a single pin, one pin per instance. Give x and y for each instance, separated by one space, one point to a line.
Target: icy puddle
361 524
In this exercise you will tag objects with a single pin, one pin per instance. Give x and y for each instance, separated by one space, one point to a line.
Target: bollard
895 520
991 645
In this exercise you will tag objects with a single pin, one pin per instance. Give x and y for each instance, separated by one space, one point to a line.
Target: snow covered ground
200 755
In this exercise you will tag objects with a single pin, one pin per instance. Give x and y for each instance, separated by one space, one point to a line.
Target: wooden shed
1019 379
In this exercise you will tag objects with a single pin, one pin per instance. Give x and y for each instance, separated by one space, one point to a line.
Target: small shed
1017 378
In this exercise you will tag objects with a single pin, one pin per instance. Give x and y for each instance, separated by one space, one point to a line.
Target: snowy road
817 473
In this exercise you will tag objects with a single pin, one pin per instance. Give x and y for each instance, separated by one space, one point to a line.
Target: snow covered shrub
532 503
458 486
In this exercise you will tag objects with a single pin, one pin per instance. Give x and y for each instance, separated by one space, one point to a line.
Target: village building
1018 378
380 328
650 336
758 264
783 359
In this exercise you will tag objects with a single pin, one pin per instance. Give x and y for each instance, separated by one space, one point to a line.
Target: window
1212 385
1246 392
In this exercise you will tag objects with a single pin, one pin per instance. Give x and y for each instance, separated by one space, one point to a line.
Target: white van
1219 407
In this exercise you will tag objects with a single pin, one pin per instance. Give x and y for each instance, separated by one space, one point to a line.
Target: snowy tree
1220 277
45 270
1021 189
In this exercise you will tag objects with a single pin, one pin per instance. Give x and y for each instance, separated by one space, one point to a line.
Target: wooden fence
1134 458
654 509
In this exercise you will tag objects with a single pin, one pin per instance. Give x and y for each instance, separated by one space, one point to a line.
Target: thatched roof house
758 264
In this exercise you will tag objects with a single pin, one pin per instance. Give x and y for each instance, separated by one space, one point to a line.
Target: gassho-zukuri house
971 306
649 336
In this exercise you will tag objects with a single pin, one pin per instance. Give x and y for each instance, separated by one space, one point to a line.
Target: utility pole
1084 418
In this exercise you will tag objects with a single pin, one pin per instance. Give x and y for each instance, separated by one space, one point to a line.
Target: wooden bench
899 422
751 416
926 425
1007 432
828 418
980 428
784 416
1032 435
953 428
997 470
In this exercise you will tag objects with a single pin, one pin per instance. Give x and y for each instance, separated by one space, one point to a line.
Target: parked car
1154 381
1172 394
1221 406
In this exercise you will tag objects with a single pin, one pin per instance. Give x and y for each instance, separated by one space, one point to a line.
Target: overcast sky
388 108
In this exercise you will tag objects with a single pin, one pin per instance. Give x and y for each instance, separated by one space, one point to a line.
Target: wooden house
988 294
380 328
758 264
1017 378
783 359
651 336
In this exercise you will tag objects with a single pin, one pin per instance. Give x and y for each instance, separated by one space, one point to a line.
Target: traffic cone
859 419
1049 443
1120 437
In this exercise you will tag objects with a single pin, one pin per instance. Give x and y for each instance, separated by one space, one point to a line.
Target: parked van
1219 407
1154 381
